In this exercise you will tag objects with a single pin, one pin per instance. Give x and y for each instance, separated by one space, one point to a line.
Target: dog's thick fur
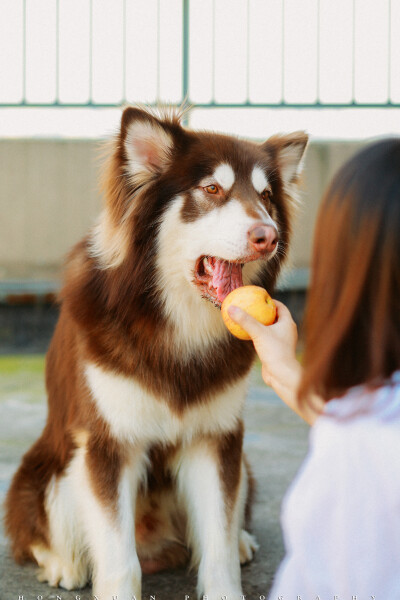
140 464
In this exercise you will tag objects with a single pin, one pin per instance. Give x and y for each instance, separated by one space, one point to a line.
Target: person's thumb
249 323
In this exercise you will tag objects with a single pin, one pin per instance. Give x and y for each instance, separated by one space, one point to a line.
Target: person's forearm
276 348
287 387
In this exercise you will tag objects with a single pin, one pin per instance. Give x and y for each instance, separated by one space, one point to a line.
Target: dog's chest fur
134 415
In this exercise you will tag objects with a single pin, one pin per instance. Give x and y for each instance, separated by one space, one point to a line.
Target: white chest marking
259 179
136 416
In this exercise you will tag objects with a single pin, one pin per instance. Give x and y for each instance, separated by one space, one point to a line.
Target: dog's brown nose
262 238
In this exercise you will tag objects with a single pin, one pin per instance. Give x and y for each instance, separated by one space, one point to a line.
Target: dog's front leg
108 509
209 478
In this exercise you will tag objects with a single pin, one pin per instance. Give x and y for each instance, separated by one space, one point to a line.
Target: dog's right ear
147 143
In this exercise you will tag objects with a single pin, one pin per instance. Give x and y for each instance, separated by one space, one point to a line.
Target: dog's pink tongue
226 277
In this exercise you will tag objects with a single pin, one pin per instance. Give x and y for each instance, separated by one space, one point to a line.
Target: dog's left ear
147 143
288 151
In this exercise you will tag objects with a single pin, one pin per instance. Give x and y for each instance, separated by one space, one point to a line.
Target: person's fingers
253 327
283 311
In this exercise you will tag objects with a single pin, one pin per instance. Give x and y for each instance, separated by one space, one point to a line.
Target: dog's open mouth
216 277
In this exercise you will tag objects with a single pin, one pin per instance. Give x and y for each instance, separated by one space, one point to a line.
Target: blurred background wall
49 195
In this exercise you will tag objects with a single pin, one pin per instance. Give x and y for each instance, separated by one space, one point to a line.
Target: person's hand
274 344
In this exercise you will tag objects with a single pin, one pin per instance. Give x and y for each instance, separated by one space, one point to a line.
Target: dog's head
196 213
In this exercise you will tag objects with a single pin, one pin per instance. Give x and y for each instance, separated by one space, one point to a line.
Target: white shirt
341 515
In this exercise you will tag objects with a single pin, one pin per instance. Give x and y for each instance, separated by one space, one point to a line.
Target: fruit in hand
255 301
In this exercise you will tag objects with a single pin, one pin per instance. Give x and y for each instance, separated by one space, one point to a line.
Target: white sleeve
341 516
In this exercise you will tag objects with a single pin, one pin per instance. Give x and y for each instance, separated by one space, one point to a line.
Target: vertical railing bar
185 60
213 55
124 99
353 61
57 51
389 88
248 53
318 50
158 52
90 51
283 54
24 52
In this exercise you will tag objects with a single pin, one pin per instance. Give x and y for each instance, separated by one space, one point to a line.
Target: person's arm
276 347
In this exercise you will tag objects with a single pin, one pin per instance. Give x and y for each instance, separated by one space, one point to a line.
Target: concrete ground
275 442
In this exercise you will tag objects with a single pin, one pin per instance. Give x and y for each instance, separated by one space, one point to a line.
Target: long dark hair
352 323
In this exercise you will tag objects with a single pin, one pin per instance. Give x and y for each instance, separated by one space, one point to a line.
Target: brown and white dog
141 461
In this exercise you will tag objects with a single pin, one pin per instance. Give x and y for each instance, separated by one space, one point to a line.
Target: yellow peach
255 301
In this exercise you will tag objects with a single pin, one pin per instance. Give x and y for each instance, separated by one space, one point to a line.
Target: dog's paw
57 573
248 546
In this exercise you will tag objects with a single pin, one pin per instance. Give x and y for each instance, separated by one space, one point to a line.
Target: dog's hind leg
211 478
64 562
42 516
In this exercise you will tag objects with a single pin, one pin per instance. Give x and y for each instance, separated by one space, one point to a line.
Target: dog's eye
211 189
266 194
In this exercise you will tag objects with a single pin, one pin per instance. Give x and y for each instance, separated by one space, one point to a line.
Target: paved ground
276 442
